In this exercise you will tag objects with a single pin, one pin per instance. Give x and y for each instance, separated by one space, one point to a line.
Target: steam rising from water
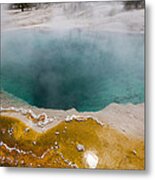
69 69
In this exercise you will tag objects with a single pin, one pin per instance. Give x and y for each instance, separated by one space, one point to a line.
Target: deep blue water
73 69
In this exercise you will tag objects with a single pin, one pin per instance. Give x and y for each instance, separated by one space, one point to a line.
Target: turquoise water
73 69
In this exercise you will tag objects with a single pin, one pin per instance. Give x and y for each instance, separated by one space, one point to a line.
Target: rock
80 147
55 143
27 129
134 152
10 131
34 143
57 133
56 147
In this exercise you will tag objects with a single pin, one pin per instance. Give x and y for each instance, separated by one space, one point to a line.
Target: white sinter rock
80 147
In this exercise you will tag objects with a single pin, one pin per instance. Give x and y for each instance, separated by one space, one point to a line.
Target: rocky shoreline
127 118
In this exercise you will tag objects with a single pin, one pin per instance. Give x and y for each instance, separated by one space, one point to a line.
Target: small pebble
56 147
56 143
57 133
134 152
38 165
80 147
34 142
10 131
22 161
27 129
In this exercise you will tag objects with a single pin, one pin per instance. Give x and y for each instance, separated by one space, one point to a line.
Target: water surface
73 69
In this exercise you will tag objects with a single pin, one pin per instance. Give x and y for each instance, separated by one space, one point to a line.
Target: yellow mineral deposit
68 144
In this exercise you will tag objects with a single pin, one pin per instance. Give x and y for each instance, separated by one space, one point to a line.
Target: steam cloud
77 69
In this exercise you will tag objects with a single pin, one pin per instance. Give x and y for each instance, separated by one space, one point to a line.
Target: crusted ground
58 147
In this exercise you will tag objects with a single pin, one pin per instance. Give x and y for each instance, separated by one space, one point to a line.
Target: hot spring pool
74 69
